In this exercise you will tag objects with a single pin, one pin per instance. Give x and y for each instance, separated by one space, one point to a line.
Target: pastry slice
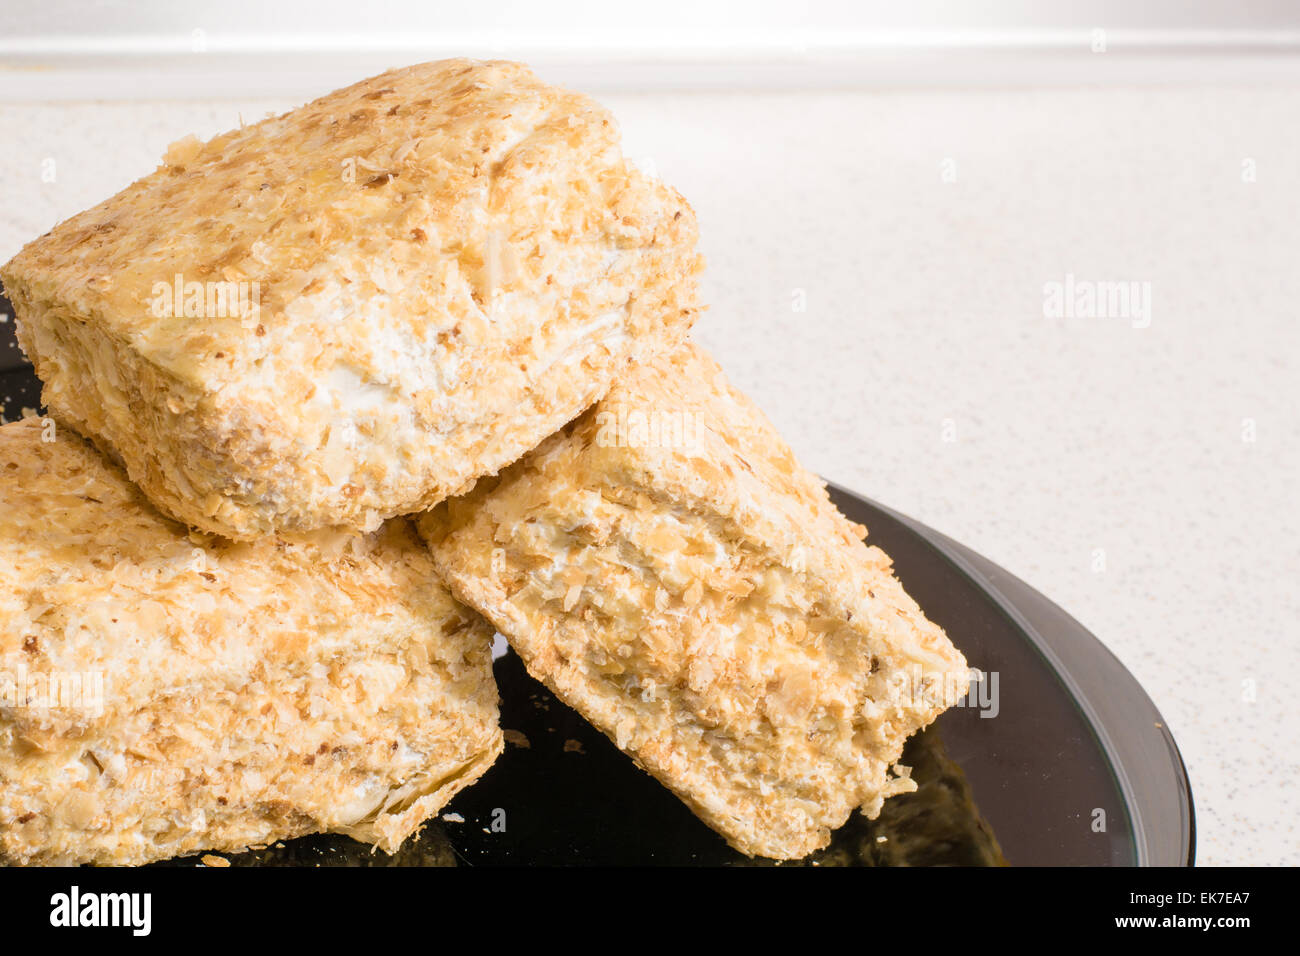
354 310
164 692
669 570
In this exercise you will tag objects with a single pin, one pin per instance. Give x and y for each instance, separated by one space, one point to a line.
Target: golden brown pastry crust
164 692
680 580
440 266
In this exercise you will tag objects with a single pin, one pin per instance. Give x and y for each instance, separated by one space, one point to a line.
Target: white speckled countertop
1141 477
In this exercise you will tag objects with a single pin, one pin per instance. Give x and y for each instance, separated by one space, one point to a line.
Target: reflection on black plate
1067 761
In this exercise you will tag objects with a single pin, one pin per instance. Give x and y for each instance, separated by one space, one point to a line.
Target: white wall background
118 49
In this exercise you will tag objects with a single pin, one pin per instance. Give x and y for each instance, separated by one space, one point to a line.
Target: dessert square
164 692
668 569
355 309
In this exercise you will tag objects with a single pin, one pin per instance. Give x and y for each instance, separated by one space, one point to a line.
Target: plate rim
1115 734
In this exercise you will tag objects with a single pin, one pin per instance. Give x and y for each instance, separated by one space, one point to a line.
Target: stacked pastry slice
166 692
667 568
285 336
294 335
356 309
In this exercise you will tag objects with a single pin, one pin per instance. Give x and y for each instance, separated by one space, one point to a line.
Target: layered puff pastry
164 692
355 309
668 569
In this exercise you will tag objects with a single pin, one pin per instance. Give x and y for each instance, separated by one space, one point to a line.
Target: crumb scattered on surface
217 861
573 746
517 738
453 818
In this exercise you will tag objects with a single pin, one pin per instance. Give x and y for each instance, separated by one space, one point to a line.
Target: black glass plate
1061 759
